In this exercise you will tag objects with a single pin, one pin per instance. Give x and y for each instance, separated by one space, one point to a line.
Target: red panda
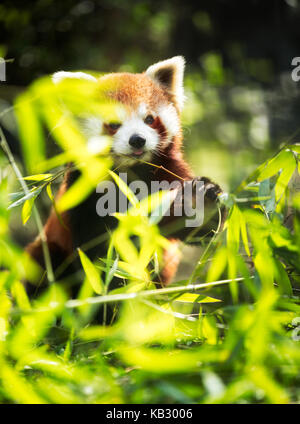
151 131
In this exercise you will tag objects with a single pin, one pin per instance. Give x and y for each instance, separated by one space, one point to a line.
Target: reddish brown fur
131 90
108 130
171 259
159 127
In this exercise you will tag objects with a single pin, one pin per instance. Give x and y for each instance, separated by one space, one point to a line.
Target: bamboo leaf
218 264
34 193
30 130
196 298
244 233
19 292
289 167
165 200
282 279
91 272
125 189
233 229
276 164
27 209
38 177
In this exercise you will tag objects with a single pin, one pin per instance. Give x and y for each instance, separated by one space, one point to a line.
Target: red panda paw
211 190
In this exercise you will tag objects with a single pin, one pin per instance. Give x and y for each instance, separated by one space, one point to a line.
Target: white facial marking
61 75
169 118
134 125
90 126
98 144
142 110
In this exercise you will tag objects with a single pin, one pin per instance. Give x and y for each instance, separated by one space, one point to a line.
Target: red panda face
149 120
145 130
138 134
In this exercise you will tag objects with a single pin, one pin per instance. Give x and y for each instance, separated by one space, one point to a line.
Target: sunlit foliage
226 334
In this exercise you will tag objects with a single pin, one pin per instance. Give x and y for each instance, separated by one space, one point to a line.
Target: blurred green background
242 103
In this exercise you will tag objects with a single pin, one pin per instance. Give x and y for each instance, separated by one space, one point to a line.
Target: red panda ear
61 75
169 74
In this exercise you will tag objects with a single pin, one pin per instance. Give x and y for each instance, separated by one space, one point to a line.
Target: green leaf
69 346
38 177
267 169
273 391
282 279
289 166
30 130
34 325
264 265
49 192
265 191
276 164
218 264
19 292
294 147
244 233
209 329
33 194
111 272
125 189
233 229
91 273
17 387
165 199
111 266
78 191
27 209
196 298
161 361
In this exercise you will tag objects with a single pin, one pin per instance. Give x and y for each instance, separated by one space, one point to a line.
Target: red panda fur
153 88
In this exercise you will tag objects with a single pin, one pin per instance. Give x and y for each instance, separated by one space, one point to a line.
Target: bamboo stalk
75 303
11 159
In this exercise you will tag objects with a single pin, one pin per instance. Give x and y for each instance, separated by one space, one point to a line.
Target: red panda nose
136 141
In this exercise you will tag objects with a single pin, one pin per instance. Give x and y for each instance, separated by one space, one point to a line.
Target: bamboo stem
11 159
74 303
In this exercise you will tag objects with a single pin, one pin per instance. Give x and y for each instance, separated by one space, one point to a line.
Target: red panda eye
149 120
114 126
